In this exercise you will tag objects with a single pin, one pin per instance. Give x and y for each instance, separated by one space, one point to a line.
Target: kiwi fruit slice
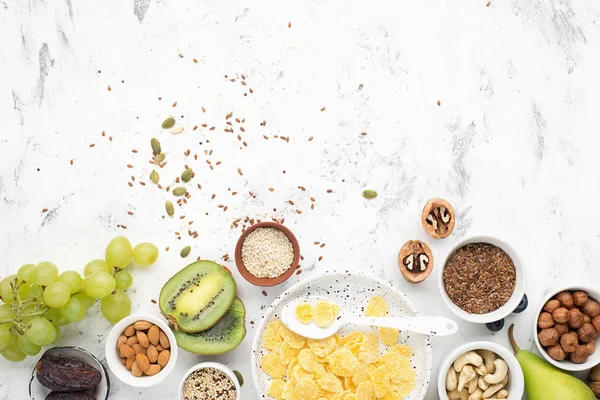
197 297
226 335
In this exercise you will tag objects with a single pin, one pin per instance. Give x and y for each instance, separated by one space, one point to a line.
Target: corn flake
287 353
276 389
365 391
322 348
329 382
325 312
271 336
304 313
307 360
293 340
369 349
272 365
343 362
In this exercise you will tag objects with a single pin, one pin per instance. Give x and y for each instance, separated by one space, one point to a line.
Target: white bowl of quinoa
209 380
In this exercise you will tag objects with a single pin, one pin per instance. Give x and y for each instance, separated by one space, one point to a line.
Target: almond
132 340
129 363
122 339
164 340
124 360
152 354
126 351
163 358
142 338
142 325
154 335
138 348
153 369
159 348
135 370
142 362
129 331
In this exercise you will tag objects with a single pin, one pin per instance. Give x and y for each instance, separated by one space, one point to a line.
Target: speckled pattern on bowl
351 291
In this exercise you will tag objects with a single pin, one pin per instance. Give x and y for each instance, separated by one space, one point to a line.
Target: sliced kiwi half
226 335
197 297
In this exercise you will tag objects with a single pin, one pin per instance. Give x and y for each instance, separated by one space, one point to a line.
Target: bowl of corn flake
357 363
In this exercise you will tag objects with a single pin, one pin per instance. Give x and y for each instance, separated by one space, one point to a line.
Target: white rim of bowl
211 364
283 297
114 360
514 300
566 364
517 380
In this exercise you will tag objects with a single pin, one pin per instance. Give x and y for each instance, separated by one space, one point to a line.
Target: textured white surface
513 145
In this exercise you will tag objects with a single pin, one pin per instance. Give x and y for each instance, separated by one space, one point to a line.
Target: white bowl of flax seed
209 380
482 279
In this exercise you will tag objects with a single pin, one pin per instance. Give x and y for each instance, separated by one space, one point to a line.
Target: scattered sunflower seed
155 146
369 194
187 175
185 251
177 130
159 158
154 177
179 191
239 376
170 208
168 123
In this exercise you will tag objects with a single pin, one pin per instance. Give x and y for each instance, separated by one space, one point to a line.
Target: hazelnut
438 218
561 315
591 346
596 323
580 298
415 261
586 318
591 308
548 337
569 342
556 352
551 305
575 318
561 328
545 320
566 299
587 333
580 355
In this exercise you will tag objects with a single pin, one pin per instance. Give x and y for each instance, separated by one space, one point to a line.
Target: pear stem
511 338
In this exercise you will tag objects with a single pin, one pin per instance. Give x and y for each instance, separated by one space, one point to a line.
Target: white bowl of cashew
508 373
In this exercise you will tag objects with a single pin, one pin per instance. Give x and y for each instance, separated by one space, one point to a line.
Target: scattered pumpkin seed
168 123
185 251
170 208
186 175
159 158
369 194
239 377
179 191
155 146
154 177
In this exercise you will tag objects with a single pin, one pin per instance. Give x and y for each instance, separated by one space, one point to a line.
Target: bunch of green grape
38 301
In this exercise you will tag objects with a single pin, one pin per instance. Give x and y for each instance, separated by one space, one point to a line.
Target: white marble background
513 146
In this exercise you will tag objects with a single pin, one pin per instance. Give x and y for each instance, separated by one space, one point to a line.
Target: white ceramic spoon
438 326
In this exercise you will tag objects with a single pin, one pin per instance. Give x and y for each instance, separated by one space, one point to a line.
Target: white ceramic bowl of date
510 305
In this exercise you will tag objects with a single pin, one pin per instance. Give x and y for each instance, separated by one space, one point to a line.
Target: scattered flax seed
264 293
488 4
439 103
316 242
320 258
213 196
134 151
299 211
167 248
72 161
129 166
251 90
322 245
312 206
130 184
124 226
271 189
153 301
310 139
360 86
103 133
244 83
92 145
175 104
312 199
245 144
364 133
298 272
110 138
233 193
264 123
329 191
195 61
291 202
195 127
240 171
212 128
44 210
302 188
266 137
130 212
323 108
289 24
242 129
109 88
180 55
301 257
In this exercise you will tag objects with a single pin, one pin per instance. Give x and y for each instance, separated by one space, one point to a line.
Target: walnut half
438 218
415 261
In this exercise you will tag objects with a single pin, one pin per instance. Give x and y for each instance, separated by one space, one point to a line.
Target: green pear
543 381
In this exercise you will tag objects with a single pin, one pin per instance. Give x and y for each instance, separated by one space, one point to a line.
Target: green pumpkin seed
239 377
369 194
179 191
155 145
187 175
159 158
168 123
185 251
169 207
154 177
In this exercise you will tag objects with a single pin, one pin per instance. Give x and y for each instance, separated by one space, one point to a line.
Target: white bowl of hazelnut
567 327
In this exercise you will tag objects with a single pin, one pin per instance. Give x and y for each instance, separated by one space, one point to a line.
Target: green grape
116 307
98 284
72 279
58 334
57 295
86 300
145 254
55 316
46 273
4 335
35 292
96 265
6 290
118 252
27 273
73 311
27 347
123 279
41 331
6 312
12 352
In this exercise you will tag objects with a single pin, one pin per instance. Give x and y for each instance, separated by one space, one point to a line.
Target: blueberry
495 326
522 305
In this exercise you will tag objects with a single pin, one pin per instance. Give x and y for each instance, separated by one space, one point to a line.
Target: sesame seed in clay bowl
264 279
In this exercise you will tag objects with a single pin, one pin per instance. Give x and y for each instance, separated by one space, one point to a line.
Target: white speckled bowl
351 291
214 365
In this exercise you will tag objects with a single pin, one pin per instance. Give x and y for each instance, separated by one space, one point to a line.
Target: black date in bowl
39 392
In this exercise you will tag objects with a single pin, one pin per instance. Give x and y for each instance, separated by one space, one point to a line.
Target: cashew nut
458 395
481 370
469 357
482 383
451 380
466 375
472 385
492 390
499 374
476 395
502 394
488 358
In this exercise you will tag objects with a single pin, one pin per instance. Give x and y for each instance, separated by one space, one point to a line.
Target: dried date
65 374
87 395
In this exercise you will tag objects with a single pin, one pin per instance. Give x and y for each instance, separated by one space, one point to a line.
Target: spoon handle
438 326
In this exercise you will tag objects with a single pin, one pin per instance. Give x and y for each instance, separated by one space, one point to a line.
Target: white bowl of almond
141 350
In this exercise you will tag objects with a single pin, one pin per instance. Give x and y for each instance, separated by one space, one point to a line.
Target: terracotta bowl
267 281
